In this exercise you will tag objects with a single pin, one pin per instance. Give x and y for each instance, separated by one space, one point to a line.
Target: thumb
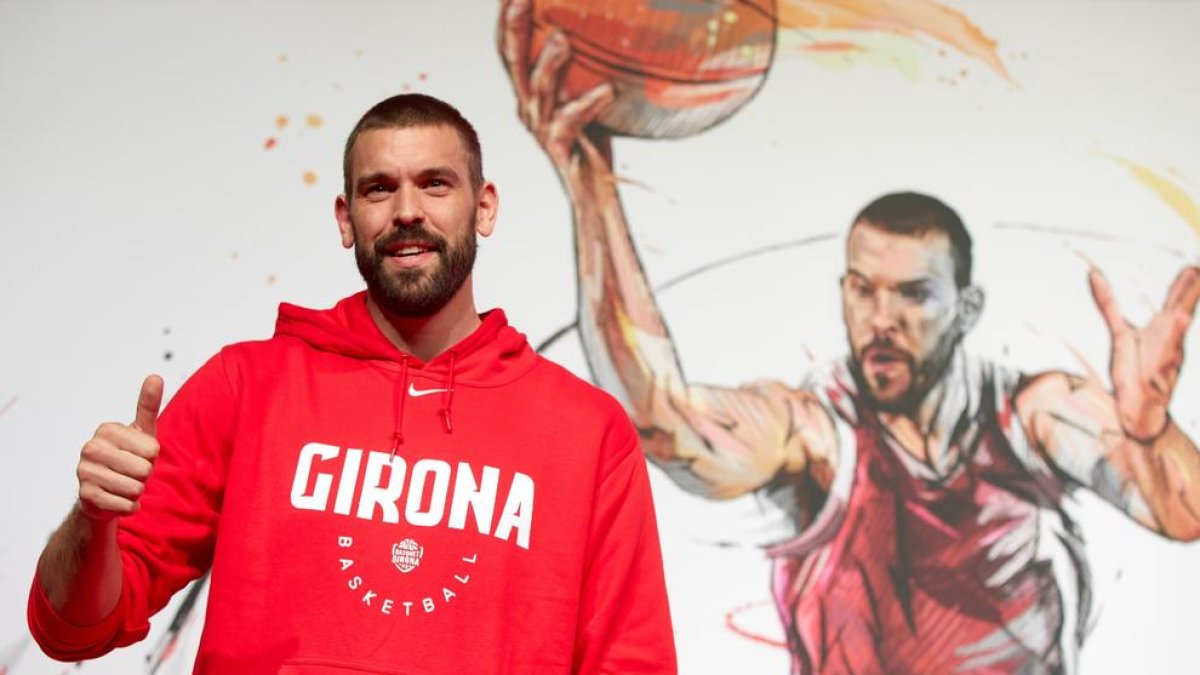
149 401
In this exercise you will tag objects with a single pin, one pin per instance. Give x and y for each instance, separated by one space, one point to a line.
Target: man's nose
883 311
407 207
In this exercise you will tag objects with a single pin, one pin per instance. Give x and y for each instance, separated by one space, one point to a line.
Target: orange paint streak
833 47
309 177
908 18
281 121
314 121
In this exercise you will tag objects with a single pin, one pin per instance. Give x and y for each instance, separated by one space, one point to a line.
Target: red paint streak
169 650
1005 417
271 142
422 76
731 624
835 46
11 402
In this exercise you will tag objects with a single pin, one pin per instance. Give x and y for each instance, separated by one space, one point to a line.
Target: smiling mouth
409 250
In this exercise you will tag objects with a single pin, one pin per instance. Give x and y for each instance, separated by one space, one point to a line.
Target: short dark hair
913 214
416 110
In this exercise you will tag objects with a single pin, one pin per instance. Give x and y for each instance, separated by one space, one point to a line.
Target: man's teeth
409 250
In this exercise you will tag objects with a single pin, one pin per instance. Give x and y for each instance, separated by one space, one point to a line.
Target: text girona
426 489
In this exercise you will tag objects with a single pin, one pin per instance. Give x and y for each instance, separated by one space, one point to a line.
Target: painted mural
923 484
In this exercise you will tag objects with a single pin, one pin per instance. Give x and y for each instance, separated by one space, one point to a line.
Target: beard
416 293
922 374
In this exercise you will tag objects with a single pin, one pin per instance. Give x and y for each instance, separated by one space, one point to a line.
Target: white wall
144 216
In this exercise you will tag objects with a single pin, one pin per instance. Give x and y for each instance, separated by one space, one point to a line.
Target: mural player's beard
893 365
416 292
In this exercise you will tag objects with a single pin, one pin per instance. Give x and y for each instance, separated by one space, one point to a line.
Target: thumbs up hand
115 463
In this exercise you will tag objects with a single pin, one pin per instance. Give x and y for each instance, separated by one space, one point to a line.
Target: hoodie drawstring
398 398
448 395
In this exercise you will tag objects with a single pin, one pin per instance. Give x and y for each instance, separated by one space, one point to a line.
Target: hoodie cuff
61 639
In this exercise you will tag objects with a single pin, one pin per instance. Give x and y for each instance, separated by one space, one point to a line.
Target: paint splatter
309 177
167 355
908 20
281 121
282 58
422 76
314 121
8 405
1171 193
167 330
271 142
731 623
271 279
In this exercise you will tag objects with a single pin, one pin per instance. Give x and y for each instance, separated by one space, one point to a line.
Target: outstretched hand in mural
1146 361
920 480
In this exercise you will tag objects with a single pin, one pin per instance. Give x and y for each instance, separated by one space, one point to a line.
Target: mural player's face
899 302
413 217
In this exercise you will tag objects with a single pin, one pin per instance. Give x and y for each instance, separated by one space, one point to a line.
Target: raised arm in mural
1123 444
921 477
715 441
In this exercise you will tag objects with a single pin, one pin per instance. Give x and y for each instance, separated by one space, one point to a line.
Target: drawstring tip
446 420
397 441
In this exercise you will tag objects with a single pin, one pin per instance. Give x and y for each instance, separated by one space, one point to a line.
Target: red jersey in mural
906 570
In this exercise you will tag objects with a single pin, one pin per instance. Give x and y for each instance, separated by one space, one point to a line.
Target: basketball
677 67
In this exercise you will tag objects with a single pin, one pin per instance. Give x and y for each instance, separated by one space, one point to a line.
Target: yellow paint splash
908 18
309 177
1170 192
314 121
281 121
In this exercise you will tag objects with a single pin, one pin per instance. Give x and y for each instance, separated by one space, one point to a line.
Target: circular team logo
406 555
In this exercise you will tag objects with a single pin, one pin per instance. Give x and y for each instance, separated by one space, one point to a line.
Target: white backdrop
147 223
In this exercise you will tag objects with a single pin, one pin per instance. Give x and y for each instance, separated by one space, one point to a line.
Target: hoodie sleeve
625 622
169 541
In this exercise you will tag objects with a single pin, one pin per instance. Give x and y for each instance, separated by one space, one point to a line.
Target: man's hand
1145 361
115 463
558 128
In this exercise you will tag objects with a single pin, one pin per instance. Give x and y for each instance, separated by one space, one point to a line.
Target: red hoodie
363 511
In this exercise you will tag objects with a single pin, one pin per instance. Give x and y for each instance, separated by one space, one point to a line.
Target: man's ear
970 308
341 211
487 205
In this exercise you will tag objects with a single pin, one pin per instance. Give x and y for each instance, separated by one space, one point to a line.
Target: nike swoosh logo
413 391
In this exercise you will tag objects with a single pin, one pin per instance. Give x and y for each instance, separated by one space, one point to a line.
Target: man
921 481
397 484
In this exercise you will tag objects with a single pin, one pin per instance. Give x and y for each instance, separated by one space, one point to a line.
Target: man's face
412 216
899 302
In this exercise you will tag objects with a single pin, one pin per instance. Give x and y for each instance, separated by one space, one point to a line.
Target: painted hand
558 126
1145 361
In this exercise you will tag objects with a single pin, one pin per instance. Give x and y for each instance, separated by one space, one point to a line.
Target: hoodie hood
493 355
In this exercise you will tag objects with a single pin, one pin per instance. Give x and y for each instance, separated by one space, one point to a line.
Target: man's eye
915 294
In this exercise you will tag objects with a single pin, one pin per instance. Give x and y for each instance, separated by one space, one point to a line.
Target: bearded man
397 484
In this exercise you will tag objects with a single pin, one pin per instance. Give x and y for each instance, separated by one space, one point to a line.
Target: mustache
883 344
409 235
